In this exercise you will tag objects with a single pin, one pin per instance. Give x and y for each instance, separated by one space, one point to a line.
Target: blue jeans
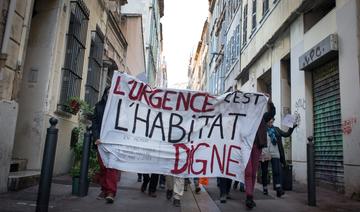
276 171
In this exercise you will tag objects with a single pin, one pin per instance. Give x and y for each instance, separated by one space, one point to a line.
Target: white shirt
271 151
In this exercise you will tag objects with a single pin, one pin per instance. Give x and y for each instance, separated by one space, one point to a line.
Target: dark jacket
261 134
98 116
279 134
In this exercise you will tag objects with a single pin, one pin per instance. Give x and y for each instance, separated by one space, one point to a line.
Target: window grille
75 49
94 67
244 31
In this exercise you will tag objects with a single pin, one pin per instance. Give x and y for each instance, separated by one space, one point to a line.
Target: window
319 9
75 48
237 40
94 67
244 77
265 7
253 14
245 24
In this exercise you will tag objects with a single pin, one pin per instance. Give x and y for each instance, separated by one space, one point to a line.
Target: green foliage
78 149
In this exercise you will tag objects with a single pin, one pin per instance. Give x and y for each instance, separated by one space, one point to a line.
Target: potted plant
73 105
77 150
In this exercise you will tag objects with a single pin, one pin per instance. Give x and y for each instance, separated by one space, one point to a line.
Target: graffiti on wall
300 104
347 125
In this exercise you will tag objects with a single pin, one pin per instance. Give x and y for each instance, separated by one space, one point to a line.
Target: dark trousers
153 181
276 171
224 185
162 179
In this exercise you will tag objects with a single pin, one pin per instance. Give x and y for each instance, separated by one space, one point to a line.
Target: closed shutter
327 126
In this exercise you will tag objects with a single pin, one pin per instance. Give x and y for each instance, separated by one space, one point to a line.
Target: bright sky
182 26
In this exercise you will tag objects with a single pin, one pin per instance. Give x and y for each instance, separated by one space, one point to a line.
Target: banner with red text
178 132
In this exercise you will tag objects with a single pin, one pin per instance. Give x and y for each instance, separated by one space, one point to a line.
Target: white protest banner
178 132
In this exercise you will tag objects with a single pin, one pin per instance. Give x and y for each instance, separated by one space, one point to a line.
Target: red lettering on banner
197 102
221 165
176 169
192 102
231 160
205 107
158 102
166 99
117 89
185 102
204 162
223 162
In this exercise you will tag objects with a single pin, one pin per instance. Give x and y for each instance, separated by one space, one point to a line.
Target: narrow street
129 198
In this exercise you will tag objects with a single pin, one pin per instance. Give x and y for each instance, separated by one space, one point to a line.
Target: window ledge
59 111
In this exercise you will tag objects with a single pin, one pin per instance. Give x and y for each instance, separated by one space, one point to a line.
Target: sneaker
143 187
109 198
176 203
223 199
169 194
235 185
197 190
242 187
152 194
101 196
249 202
265 191
279 192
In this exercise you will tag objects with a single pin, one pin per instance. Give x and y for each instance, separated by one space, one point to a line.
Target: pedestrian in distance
108 177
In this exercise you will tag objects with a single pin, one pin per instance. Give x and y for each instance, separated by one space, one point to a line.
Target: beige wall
135 58
39 99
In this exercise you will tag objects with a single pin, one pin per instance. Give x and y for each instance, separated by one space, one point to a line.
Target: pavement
129 198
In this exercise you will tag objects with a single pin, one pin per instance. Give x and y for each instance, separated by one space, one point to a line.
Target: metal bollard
311 172
47 167
84 166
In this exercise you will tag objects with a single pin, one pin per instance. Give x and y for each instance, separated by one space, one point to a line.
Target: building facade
306 55
197 70
151 12
53 51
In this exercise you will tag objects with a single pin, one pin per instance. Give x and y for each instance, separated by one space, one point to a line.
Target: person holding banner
153 179
251 168
224 186
108 177
174 188
274 153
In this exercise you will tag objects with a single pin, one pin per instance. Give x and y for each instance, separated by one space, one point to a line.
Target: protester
162 181
197 185
139 177
274 153
242 186
224 186
153 179
108 177
253 164
175 189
